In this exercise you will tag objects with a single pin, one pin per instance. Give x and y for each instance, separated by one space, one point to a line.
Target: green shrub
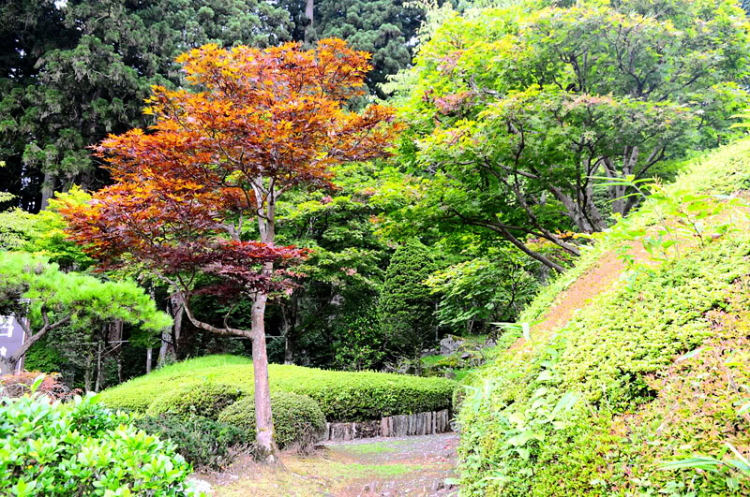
297 419
82 448
204 399
642 375
342 396
203 442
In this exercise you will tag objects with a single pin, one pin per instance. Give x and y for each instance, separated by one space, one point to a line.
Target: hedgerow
202 399
82 448
342 396
641 376
297 420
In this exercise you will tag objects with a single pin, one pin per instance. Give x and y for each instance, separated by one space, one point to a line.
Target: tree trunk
263 416
170 338
309 14
99 352
7 366
149 353
48 189
87 372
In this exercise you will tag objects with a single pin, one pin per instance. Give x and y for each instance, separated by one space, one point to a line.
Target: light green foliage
297 419
407 308
344 271
205 399
531 103
77 296
478 292
342 396
43 233
595 408
81 448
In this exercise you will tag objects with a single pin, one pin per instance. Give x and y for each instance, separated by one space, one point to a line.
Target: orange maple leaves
256 123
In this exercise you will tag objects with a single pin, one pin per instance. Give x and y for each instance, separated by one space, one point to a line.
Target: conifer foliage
407 307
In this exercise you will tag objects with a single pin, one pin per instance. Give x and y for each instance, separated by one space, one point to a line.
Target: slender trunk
98 385
263 416
309 14
87 372
48 189
149 354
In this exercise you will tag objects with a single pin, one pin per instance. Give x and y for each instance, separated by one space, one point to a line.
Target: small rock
466 355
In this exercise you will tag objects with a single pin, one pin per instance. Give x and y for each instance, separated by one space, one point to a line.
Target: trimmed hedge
204 399
342 396
297 420
203 442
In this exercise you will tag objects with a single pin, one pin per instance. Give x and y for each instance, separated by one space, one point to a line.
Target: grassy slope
596 406
342 396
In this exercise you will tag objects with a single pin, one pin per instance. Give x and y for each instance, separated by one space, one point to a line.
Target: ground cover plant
342 396
648 374
82 448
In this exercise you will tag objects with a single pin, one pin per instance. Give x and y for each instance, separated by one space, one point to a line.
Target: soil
408 466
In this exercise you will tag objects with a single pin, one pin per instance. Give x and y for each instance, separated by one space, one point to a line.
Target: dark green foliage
205 399
72 72
407 307
298 421
203 442
385 28
82 449
342 396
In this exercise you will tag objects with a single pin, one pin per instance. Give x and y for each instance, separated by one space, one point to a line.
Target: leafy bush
203 442
203 399
342 396
54 449
646 373
297 419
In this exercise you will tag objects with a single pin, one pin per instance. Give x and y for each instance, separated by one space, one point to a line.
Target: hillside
630 366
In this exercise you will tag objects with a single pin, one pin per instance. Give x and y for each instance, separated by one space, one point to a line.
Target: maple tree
258 123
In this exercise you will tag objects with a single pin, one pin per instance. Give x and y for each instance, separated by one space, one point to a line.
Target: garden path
408 466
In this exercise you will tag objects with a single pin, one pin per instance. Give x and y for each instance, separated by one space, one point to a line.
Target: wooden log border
405 425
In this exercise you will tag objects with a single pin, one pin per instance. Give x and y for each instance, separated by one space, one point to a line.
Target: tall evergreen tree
385 28
407 308
72 72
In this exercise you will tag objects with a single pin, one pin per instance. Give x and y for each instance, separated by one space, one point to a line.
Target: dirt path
409 466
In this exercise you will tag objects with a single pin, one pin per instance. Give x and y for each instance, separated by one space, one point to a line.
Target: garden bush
651 371
82 448
204 399
342 396
297 420
203 442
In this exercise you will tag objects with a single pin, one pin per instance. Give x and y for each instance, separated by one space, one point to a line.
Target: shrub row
342 396
82 448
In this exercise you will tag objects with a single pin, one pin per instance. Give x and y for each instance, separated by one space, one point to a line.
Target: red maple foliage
256 123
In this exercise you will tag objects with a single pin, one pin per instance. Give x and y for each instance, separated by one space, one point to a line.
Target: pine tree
407 309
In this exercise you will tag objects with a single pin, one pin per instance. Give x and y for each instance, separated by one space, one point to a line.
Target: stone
466 355
449 345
